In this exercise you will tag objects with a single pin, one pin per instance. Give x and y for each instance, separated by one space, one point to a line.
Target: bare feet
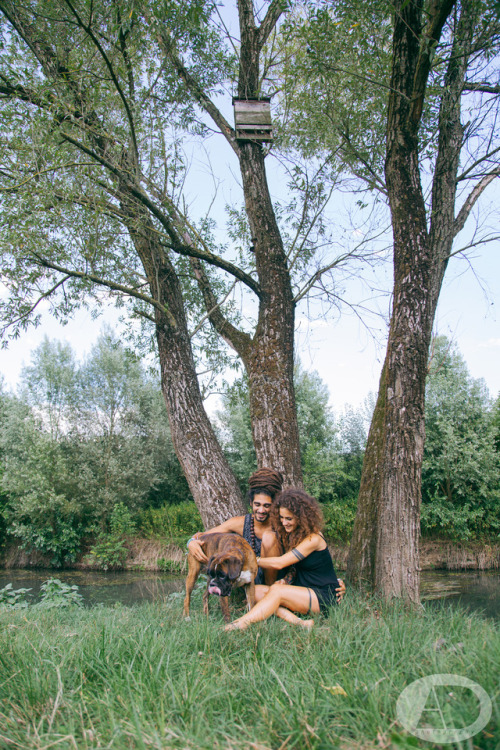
307 624
236 625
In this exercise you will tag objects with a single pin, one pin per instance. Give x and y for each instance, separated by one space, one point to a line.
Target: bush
56 595
339 519
13 598
176 523
457 522
110 550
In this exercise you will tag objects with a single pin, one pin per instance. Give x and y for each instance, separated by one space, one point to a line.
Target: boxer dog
231 563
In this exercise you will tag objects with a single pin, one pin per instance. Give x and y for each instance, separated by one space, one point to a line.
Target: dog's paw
187 619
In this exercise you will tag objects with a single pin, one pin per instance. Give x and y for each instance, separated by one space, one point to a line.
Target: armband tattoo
298 554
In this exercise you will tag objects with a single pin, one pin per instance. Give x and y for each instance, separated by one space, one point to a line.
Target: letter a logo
419 700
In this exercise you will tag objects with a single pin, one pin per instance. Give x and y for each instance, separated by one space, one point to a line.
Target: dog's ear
234 567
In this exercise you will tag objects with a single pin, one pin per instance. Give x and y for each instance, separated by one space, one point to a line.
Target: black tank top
316 570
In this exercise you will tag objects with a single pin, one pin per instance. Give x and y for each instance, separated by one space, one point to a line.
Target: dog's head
223 570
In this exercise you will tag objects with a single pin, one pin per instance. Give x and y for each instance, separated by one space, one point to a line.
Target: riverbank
161 556
143 678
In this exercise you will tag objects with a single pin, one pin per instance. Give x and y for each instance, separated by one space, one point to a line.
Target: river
476 590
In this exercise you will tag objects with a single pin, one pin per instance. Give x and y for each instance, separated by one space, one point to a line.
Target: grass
141 677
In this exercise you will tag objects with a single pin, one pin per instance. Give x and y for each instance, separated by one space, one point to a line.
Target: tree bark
385 547
212 483
268 355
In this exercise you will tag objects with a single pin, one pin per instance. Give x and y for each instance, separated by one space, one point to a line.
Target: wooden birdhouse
252 119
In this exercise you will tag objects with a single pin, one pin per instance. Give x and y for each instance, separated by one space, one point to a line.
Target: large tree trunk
210 479
385 546
268 355
269 358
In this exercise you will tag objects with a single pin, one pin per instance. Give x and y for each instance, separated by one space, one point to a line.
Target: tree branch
438 13
178 247
464 212
272 16
130 292
470 169
107 62
237 340
485 87
43 296
194 87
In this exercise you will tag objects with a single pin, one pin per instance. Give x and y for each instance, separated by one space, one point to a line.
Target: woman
297 520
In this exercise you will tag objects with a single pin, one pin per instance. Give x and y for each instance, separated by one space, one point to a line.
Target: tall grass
143 678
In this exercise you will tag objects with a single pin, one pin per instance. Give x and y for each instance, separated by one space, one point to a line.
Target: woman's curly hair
307 510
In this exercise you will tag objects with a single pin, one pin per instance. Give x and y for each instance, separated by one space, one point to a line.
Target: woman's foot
307 624
236 625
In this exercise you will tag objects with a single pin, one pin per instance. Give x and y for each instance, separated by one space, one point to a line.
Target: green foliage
441 519
332 450
110 550
335 78
176 523
13 598
461 468
55 594
339 520
58 595
82 439
166 565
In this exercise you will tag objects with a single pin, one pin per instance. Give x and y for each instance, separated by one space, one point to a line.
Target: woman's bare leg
283 612
295 598
293 619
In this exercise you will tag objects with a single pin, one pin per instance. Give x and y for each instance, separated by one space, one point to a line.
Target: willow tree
389 99
96 101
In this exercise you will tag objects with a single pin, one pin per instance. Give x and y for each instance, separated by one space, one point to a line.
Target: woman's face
289 520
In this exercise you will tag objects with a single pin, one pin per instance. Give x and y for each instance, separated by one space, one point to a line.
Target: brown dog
231 562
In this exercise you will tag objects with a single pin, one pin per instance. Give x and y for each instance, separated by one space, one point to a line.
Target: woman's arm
308 545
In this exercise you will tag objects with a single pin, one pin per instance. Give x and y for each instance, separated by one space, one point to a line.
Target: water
127 587
477 590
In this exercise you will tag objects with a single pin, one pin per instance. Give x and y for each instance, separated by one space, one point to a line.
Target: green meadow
141 677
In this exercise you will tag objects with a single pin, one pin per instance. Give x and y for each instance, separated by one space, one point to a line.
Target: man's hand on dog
195 547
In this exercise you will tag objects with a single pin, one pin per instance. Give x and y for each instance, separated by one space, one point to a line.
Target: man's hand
340 591
195 547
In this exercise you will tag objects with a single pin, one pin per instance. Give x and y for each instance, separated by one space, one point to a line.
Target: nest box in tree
252 119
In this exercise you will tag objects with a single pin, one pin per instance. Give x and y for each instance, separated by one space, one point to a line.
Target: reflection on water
477 590
96 587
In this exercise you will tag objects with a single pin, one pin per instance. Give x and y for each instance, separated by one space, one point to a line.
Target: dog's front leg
224 605
250 594
205 601
194 568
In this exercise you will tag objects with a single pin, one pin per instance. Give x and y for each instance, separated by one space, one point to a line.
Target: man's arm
196 547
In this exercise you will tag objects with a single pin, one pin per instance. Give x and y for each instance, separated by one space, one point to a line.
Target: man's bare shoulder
235 524
232 524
